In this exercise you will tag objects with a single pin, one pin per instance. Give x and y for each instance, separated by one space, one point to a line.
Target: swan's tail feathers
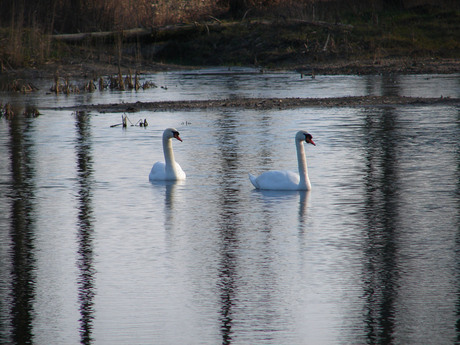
253 180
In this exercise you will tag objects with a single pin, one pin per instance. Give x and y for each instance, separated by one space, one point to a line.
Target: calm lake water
91 252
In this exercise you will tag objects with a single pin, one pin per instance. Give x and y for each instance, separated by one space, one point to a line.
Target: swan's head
170 133
305 136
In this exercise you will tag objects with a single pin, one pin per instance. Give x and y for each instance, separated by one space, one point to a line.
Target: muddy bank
265 103
386 66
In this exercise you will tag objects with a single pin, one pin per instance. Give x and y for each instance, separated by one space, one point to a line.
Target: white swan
169 170
288 180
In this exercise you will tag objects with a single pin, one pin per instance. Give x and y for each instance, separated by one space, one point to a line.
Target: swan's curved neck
170 163
304 183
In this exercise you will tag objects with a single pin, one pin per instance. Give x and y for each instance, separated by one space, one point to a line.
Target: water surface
92 252
217 83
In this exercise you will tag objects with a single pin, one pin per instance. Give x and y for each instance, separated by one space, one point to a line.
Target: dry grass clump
18 85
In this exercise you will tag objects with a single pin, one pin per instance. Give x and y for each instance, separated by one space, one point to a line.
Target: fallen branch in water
125 119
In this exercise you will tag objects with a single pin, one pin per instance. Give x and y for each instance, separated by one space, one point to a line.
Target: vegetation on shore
270 33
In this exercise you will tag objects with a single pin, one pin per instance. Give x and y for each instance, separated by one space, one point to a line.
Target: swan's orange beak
310 141
176 135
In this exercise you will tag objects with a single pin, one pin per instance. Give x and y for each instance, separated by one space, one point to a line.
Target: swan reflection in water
169 188
275 197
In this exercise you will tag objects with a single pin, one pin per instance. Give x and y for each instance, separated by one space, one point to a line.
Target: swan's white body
284 179
169 170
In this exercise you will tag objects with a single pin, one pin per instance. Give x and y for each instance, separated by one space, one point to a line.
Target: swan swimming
169 170
284 179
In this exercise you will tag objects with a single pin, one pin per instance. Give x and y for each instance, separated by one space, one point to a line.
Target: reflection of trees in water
85 226
390 85
385 85
227 273
229 223
381 211
458 233
22 196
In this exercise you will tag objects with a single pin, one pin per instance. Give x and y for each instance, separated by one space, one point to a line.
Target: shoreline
88 69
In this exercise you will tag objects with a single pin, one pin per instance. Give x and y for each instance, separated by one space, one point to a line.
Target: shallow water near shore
92 252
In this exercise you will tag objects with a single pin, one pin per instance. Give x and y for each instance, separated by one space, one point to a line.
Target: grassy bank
276 37
282 42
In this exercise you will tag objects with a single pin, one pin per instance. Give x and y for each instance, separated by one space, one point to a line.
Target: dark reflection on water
229 223
85 228
22 197
457 247
380 273
390 85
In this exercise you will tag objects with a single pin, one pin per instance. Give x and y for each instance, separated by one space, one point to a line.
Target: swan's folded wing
158 171
277 180
180 173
